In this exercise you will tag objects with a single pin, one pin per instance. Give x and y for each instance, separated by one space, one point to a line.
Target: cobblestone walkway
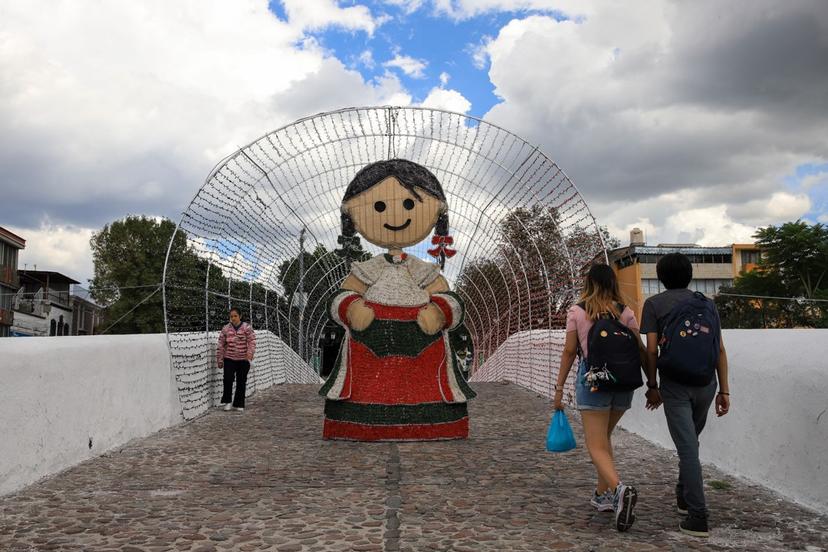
265 480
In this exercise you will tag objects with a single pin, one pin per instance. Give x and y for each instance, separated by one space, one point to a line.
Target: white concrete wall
200 379
60 392
776 433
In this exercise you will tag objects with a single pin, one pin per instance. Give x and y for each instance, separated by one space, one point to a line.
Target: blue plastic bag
559 438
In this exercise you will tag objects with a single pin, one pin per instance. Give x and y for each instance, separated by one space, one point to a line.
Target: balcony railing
59 297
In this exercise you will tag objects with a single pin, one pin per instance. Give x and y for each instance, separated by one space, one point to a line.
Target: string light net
263 234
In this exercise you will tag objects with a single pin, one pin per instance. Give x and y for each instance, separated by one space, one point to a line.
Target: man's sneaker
228 407
681 505
602 502
624 505
238 409
694 526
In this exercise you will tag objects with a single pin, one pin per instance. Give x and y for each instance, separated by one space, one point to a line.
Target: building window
750 257
6 298
66 329
53 328
709 287
651 286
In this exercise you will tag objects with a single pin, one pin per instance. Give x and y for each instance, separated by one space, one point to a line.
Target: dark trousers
235 369
686 408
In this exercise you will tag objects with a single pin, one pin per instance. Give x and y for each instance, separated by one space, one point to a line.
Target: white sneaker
624 501
237 409
603 502
228 407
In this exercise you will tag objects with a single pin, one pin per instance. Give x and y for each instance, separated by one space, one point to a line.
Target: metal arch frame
535 152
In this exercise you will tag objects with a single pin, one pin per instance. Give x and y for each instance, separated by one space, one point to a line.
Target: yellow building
713 267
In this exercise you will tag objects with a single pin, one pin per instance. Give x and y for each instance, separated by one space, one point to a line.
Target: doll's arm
451 306
439 284
353 283
348 308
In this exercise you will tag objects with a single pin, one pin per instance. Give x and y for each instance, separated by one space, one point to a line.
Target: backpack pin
687 323
604 333
682 333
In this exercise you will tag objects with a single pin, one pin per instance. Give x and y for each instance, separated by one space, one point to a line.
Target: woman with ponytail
600 409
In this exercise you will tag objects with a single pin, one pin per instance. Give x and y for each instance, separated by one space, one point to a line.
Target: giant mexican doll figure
396 377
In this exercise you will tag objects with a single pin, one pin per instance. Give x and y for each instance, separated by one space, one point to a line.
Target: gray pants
686 410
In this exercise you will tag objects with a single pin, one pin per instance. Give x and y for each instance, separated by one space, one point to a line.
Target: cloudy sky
696 121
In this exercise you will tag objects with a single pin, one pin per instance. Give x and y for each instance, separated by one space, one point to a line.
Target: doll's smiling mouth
402 226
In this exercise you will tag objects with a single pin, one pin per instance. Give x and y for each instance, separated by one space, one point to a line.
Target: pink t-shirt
577 320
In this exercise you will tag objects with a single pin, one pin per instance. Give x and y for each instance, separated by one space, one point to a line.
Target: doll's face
390 216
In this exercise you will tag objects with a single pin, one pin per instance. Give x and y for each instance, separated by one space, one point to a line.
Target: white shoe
228 407
624 500
603 502
237 409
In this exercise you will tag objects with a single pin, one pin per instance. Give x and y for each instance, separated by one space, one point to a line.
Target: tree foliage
128 256
794 264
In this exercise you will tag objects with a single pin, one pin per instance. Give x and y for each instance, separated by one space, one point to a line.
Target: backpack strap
581 355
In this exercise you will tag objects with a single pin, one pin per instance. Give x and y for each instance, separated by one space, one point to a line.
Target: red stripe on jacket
236 344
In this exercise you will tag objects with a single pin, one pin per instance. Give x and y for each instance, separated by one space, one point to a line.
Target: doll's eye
408 204
379 206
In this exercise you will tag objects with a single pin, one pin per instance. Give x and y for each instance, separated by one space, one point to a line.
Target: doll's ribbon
442 242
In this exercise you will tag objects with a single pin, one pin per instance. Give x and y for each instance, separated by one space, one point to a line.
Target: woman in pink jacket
236 346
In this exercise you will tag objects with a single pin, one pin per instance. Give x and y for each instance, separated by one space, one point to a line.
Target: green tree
317 264
798 253
128 257
794 264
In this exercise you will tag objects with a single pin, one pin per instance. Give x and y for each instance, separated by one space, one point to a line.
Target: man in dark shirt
685 406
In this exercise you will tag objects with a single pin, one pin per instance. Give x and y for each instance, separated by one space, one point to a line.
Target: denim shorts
599 400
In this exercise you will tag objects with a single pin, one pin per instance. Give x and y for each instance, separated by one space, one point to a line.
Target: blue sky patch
446 48
812 179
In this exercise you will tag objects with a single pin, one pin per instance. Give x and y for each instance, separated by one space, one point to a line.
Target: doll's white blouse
393 284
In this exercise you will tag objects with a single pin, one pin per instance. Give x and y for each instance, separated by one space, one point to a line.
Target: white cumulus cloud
656 125
320 14
60 248
414 68
115 108
451 100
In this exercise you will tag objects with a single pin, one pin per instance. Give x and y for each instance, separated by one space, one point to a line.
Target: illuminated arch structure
522 231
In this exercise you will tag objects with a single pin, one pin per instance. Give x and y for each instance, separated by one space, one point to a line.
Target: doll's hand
431 319
359 315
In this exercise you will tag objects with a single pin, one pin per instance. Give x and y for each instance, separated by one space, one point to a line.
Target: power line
127 313
801 299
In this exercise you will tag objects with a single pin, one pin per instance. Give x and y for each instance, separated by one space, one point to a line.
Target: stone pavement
265 480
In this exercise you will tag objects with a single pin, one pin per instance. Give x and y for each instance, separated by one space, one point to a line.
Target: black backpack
689 345
614 360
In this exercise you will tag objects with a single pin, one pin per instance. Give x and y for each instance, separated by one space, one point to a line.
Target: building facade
713 267
10 245
43 304
86 316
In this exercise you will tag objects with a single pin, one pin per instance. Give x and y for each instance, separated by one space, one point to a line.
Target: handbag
559 437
